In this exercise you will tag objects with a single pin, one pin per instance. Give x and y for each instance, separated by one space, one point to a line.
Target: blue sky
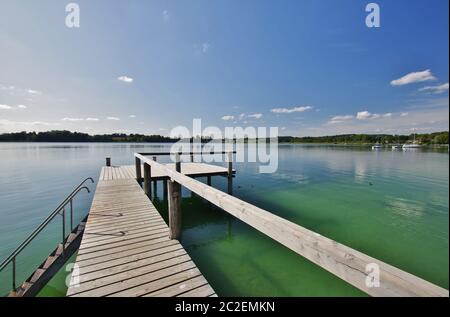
310 67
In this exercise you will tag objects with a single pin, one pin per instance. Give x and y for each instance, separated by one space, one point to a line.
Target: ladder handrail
62 205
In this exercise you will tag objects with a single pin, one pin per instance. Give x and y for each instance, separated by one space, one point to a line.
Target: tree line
67 136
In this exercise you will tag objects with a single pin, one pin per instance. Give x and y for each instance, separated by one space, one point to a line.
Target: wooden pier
126 249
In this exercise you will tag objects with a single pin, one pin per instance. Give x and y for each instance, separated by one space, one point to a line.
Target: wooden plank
348 264
202 291
180 288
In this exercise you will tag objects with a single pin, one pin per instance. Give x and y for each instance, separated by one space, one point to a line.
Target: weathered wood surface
348 264
126 249
189 169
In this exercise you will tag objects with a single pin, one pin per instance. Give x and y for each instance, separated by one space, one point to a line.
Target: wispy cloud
439 89
132 116
415 77
125 79
205 47
72 119
9 125
34 92
342 118
92 119
113 118
291 110
255 115
5 107
165 15
228 118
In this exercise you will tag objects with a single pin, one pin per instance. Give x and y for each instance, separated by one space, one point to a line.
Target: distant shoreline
437 139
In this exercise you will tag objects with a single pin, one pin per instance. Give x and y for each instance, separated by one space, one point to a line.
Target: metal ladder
53 263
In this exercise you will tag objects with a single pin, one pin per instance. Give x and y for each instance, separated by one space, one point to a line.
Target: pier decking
126 249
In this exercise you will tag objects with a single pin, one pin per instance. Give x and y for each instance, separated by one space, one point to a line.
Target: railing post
155 183
147 180
138 170
209 180
108 161
14 274
63 228
230 173
71 215
178 162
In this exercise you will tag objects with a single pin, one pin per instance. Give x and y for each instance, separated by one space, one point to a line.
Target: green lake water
391 205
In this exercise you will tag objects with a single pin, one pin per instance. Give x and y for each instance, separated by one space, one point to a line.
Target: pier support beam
230 173
165 189
147 178
138 170
208 180
108 161
174 190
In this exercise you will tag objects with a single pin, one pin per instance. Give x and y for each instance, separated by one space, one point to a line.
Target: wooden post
174 209
178 163
165 189
147 180
174 191
155 183
108 161
138 170
230 173
209 180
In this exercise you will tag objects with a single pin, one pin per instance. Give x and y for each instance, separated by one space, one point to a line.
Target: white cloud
205 47
132 116
5 107
21 106
339 119
404 114
291 110
387 115
72 119
112 118
255 115
228 118
439 89
165 15
365 115
92 119
34 92
125 79
415 77
242 116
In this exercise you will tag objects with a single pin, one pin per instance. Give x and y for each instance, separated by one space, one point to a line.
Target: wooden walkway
188 169
126 250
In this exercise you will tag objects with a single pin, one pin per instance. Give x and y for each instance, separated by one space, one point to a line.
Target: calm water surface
391 205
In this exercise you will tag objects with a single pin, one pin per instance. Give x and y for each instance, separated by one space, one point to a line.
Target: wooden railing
368 274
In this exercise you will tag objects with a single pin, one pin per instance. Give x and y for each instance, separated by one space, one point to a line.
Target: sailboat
413 145
397 145
377 146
